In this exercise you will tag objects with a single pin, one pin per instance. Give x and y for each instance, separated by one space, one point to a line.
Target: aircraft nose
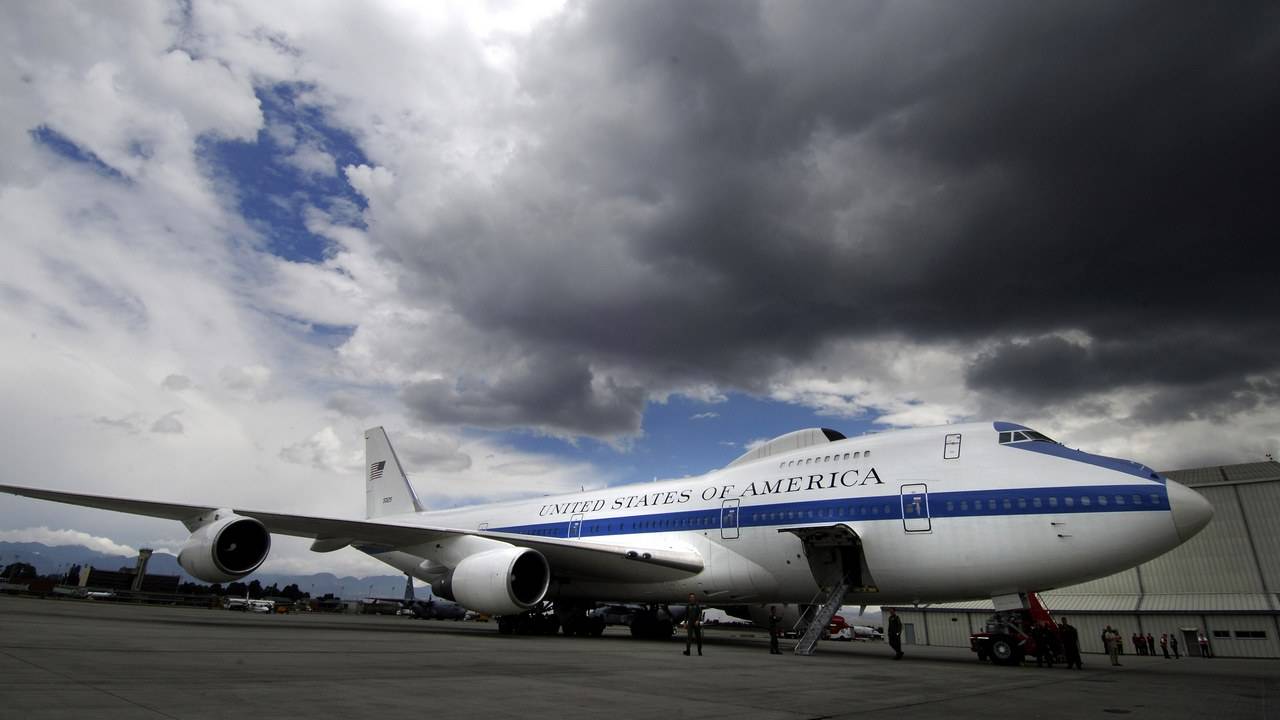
1191 512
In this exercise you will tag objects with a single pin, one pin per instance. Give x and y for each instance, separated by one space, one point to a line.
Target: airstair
822 617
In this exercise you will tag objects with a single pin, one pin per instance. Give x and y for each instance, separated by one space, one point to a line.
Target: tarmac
81 658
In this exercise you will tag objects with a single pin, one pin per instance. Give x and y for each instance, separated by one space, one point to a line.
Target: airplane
972 511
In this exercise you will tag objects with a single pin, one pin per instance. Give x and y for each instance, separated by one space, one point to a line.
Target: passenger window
964 505
1035 502
1155 499
1137 499
950 506
875 510
857 454
1102 500
1022 503
1053 502
826 459
846 456
1119 499
866 454
991 504
1085 501
1007 505
1069 502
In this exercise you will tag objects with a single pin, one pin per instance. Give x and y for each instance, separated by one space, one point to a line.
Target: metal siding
1205 602
908 617
1122 583
1218 557
1090 629
1097 602
1253 471
1243 647
1261 503
944 632
1195 476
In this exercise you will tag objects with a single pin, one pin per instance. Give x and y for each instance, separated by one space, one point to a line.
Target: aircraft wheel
1004 651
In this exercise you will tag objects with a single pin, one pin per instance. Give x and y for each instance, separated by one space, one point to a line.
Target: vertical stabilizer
386 489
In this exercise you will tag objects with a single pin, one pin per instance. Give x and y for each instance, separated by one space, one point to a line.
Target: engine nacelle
506 581
226 549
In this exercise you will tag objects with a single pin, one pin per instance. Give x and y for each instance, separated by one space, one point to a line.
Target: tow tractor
1009 636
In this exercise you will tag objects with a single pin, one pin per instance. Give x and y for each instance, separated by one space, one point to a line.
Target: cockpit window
1024 436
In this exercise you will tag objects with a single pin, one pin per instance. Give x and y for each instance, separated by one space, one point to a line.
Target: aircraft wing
566 557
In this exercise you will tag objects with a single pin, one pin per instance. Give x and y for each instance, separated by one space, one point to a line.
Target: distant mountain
59 558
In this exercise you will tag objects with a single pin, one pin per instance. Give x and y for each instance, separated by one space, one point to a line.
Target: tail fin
386 489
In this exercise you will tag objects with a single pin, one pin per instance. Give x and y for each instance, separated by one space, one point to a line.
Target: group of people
1113 643
1146 645
1051 643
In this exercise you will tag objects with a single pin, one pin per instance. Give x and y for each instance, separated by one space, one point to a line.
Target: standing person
895 634
1173 643
1138 644
1164 644
1070 644
1204 646
693 624
1151 645
1112 641
1043 635
774 622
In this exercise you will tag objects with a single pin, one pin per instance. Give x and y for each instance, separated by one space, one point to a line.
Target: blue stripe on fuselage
968 503
1129 467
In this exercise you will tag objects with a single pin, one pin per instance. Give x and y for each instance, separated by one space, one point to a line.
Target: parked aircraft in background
437 609
982 510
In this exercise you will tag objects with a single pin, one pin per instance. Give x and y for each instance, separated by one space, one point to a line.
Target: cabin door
915 508
729 520
575 526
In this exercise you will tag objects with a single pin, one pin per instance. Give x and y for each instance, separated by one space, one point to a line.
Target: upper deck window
1015 436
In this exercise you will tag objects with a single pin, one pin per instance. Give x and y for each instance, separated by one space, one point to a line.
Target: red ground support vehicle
1009 635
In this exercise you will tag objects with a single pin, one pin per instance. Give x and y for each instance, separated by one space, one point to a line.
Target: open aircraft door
915 508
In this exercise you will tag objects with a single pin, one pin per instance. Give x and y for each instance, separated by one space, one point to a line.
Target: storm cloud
713 192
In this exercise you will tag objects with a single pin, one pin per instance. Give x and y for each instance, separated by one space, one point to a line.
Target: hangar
1224 582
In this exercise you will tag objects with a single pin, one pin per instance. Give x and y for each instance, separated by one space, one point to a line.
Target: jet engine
226 549
506 581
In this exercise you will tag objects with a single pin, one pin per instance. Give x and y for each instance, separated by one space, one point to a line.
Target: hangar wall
1224 582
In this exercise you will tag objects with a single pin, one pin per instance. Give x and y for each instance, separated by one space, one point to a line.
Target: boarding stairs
822 616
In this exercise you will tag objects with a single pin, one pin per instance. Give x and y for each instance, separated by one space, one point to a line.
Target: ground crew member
774 622
895 633
693 624
1173 643
1164 644
1111 638
1070 644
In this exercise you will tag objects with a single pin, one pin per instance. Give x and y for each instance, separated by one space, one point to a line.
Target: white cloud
46 536
313 160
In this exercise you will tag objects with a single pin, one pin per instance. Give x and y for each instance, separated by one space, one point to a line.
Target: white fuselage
942 514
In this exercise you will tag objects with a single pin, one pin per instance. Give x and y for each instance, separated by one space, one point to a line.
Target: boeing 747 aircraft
975 511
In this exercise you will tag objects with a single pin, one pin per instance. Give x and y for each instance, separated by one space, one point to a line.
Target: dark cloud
542 392
718 189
